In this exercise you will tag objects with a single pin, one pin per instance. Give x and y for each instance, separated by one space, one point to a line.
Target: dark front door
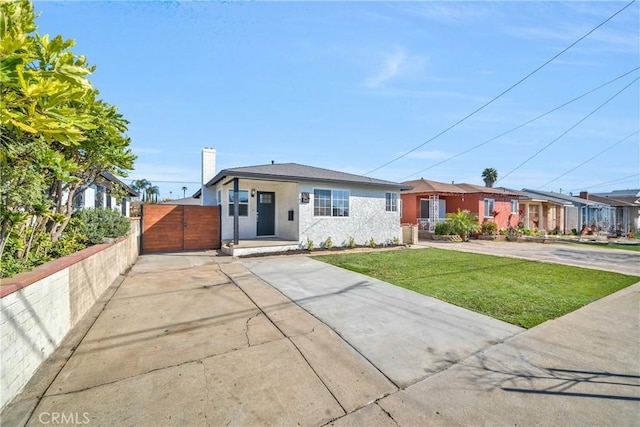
266 213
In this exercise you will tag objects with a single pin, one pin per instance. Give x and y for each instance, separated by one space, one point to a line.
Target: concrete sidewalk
193 339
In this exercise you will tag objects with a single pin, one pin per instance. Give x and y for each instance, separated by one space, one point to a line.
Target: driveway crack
246 327
206 385
388 413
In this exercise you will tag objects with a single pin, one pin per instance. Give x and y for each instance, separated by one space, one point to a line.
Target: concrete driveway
455 367
579 255
408 336
195 339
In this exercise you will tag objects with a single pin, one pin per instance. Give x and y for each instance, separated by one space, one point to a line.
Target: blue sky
351 86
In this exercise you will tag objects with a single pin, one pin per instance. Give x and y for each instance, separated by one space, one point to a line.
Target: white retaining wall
37 312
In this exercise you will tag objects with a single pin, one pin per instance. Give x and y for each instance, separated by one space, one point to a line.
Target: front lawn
524 293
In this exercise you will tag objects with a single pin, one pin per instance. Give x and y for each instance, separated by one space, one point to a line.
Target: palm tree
489 176
184 192
152 194
141 186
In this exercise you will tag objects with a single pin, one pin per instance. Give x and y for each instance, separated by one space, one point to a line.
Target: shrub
443 229
351 243
372 243
328 244
463 223
97 224
489 228
396 240
310 244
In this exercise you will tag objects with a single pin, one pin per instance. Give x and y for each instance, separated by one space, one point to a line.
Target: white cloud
390 68
395 64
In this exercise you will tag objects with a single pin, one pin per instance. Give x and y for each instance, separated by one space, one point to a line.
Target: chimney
584 195
208 197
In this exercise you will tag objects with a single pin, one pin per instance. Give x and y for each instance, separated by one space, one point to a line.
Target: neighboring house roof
111 178
529 196
185 201
565 197
294 172
427 186
617 201
617 194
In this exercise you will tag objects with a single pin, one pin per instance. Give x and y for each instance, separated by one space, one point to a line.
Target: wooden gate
172 228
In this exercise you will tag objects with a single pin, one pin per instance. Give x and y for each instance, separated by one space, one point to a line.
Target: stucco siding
286 198
367 218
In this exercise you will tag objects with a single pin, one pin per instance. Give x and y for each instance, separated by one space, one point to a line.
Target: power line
589 159
523 124
503 92
570 129
614 181
168 182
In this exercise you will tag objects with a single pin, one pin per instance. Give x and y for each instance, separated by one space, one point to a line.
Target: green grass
524 293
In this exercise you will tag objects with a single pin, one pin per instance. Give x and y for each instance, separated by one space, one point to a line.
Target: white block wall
35 319
33 322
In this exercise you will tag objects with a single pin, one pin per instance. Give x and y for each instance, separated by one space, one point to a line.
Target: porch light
253 192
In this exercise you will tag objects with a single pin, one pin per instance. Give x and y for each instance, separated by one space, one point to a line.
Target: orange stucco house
429 202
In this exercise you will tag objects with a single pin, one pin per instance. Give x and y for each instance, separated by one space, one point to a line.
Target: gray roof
185 201
527 195
620 193
294 172
110 177
563 197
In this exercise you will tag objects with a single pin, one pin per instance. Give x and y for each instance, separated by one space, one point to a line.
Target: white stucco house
99 195
299 203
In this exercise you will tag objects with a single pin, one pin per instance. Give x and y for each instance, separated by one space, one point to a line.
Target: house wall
90 197
473 202
286 199
367 218
503 216
38 308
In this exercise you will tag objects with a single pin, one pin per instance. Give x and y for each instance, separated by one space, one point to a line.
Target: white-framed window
330 202
489 207
514 206
243 202
391 202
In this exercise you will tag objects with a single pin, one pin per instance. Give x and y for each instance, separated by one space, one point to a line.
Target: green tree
489 176
152 194
56 135
141 186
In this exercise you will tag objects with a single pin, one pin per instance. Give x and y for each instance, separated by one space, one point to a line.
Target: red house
429 202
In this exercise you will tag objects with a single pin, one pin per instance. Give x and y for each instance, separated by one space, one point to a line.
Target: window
330 202
243 198
514 206
391 202
489 208
99 200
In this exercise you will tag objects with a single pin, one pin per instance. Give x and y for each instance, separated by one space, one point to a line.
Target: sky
392 90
